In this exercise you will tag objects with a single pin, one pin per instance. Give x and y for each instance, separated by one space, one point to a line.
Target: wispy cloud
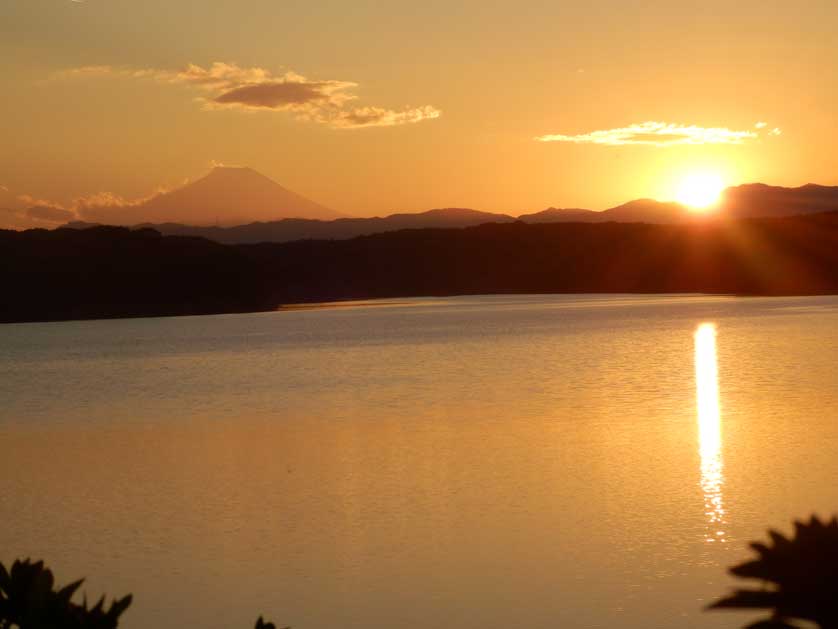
654 133
231 86
50 214
83 71
379 117
25 212
46 210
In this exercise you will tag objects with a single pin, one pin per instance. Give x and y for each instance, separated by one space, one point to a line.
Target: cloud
25 212
760 125
378 117
84 71
90 206
26 201
214 163
218 75
231 86
50 213
287 95
656 134
15 219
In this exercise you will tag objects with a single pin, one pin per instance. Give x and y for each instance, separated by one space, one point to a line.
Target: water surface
479 462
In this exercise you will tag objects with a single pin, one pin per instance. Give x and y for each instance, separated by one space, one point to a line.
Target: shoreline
400 302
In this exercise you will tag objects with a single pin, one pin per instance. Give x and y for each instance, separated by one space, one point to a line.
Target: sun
700 191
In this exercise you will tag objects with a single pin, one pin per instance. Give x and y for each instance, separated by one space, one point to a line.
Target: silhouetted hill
116 272
300 229
751 200
758 199
757 256
637 211
562 215
226 196
110 272
647 211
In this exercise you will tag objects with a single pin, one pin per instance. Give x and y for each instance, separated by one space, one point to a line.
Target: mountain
340 229
226 196
446 217
646 211
745 201
561 215
752 200
637 211
287 230
759 199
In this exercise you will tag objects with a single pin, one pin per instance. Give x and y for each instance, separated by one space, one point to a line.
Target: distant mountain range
745 201
638 211
239 205
759 199
290 229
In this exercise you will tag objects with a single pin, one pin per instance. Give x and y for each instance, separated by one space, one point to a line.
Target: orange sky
370 108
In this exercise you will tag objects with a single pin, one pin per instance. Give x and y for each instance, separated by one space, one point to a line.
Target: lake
474 462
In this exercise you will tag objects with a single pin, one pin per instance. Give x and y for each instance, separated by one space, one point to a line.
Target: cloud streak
660 134
232 87
18 212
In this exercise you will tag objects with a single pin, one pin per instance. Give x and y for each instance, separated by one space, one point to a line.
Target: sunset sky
371 108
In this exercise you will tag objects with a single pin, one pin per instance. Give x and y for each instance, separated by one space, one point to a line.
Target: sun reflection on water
709 430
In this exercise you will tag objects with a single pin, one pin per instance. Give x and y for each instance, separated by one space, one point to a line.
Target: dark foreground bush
802 577
800 572
29 600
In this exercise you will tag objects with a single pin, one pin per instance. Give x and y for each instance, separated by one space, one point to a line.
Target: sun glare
700 191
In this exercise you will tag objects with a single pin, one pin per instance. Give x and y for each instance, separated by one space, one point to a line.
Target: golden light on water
709 429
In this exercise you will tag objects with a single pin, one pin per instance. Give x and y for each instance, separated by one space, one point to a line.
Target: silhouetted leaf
759 599
119 606
30 602
4 579
771 623
804 571
66 593
261 624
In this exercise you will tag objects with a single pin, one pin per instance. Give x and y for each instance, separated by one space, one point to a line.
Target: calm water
485 462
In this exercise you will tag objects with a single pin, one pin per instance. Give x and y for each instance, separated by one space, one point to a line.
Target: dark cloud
279 94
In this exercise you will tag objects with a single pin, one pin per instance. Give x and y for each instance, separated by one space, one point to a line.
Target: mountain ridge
745 201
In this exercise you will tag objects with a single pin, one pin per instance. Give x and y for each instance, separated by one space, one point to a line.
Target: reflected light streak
709 429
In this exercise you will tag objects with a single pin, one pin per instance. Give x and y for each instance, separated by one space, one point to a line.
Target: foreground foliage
29 600
802 573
